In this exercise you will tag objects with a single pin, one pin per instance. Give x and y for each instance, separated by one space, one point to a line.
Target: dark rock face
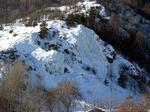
137 82
9 55
51 46
147 44
1 27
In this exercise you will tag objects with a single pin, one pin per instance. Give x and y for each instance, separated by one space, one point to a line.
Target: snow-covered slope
75 54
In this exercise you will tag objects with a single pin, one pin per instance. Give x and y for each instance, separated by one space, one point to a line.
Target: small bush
82 19
68 92
65 93
70 20
34 23
11 31
14 35
143 105
43 30
30 23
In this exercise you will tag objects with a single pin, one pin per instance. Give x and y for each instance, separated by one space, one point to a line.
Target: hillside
57 51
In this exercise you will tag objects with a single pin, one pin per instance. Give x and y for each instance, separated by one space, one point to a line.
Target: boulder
51 46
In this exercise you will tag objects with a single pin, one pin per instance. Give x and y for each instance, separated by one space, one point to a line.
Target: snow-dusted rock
54 61
81 57
88 50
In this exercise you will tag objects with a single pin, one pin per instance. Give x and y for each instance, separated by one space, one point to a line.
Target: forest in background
14 9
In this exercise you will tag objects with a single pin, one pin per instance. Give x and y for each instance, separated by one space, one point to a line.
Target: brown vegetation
65 93
17 96
128 106
131 106
143 6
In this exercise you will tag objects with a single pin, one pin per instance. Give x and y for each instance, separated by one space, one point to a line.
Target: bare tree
144 103
127 106
65 93
12 86
14 94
